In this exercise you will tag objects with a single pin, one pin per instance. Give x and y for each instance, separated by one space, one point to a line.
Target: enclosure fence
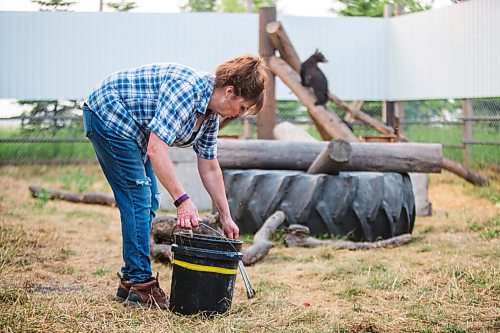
468 130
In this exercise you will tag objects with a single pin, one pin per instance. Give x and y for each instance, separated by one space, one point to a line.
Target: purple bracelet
181 199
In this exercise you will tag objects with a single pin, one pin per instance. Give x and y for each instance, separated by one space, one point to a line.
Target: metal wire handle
250 291
209 227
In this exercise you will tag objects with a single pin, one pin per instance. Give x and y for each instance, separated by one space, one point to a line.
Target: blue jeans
135 189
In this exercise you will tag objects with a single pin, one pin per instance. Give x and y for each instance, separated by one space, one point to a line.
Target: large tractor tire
362 206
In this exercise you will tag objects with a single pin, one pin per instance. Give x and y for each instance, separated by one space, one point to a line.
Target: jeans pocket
87 122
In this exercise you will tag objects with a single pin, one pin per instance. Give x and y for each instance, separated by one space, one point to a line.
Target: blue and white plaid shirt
165 98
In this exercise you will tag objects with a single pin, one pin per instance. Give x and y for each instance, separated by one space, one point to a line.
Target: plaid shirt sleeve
206 146
175 104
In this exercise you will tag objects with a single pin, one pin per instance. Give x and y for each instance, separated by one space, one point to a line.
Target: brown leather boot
147 294
123 289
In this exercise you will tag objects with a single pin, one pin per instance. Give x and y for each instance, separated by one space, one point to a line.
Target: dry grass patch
58 262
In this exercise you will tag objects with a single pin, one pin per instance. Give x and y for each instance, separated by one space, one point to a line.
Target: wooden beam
287 52
467 174
280 40
267 116
361 116
333 157
328 123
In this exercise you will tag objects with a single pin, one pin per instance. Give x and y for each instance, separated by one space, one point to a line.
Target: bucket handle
248 286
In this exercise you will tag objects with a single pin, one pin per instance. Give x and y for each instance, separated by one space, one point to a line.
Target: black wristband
181 199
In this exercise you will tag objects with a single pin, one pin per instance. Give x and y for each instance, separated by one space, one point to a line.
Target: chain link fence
468 130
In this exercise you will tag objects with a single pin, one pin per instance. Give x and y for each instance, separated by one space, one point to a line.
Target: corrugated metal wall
445 53
356 49
63 54
450 52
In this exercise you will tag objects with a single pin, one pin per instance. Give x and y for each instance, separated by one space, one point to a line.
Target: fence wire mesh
468 130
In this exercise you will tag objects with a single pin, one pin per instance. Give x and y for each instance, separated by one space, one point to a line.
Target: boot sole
118 299
138 305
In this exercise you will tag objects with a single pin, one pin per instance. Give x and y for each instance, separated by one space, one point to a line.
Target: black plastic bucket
204 274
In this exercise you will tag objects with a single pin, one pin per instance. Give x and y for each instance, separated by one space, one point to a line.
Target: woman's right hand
187 215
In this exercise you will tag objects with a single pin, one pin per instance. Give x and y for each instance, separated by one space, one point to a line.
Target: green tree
226 6
50 115
199 6
54 5
122 6
375 8
232 6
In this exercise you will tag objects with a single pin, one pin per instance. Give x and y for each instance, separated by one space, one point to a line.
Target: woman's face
233 106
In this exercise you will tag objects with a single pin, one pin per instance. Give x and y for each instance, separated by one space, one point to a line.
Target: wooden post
467 138
388 107
388 112
399 110
266 118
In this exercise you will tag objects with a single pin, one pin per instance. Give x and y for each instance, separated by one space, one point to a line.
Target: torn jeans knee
143 182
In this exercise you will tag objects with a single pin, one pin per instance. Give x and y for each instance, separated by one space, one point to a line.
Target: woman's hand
187 215
230 228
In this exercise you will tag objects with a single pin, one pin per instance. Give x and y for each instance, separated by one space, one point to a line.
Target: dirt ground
58 264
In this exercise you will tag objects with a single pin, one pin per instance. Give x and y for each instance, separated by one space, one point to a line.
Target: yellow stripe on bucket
203 268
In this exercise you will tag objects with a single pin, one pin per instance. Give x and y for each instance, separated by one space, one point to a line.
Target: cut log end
273 27
339 150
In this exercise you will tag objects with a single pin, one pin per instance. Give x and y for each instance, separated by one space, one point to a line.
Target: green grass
59 263
44 151
482 155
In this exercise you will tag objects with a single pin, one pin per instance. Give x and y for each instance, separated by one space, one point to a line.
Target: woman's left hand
230 228
187 215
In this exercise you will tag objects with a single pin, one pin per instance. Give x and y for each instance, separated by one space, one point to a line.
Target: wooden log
161 252
287 52
99 199
333 157
282 43
328 123
88 198
450 165
267 154
164 226
383 157
298 235
289 132
376 156
162 234
261 244
467 174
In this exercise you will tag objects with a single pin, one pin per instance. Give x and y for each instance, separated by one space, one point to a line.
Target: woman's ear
229 90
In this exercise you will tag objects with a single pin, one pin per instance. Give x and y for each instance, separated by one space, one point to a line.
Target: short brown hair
247 74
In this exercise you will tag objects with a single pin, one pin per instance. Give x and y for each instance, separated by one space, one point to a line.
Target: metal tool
248 286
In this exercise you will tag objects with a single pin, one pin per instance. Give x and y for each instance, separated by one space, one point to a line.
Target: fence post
387 106
266 118
399 108
467 137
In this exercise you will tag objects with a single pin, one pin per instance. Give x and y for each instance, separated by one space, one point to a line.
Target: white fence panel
452 52
449 52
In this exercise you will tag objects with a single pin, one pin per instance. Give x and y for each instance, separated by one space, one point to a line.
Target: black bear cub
313 77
